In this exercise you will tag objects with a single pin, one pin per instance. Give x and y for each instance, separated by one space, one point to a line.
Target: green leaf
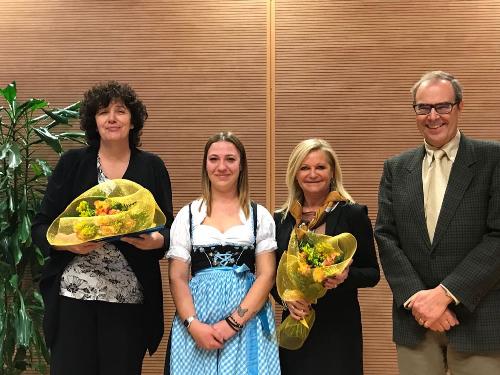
25 229
23 323
5 269
71 111
73 136
14 281
4 181
11 152
12 205
4 223
56 116
49 138
38 298
30 105
4 247
10 94
15 250
39 257
3 208
41 168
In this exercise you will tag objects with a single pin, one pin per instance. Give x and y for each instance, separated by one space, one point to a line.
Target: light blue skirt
217 292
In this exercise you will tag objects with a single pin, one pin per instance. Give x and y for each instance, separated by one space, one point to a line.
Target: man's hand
445 322
427 306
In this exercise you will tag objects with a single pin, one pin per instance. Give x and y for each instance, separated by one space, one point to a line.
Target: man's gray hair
438 75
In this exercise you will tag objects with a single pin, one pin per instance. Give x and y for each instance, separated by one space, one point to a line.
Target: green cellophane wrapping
135 209
296 279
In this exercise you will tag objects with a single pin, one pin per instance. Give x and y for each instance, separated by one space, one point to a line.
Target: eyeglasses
440 108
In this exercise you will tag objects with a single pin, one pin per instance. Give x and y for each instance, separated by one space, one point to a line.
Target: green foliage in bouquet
23 126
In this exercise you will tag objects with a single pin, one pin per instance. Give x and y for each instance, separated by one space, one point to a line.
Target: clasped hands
211 337
430 309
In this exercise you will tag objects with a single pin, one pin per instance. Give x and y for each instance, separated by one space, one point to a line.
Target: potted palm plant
24 126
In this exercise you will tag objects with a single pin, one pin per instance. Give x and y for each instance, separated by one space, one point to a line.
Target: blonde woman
317 197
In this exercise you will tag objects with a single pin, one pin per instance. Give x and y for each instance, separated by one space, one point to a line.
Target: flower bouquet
309 260
107 211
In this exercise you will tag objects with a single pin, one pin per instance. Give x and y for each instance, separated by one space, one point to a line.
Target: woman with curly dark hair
103 300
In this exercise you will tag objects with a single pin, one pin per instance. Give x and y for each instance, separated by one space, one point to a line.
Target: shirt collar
451 149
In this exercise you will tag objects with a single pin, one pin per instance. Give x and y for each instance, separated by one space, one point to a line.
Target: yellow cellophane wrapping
139 211
297 280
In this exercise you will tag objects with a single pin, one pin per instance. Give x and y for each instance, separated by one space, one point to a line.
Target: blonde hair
243 188
295 161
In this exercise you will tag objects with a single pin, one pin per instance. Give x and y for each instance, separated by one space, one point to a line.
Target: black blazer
336 336
465 253
75 173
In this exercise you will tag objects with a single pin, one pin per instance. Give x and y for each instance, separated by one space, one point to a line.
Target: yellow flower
318 275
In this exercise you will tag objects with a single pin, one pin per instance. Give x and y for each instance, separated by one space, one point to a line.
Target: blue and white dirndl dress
222 267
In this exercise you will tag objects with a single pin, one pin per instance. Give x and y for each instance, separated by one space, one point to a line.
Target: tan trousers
433 356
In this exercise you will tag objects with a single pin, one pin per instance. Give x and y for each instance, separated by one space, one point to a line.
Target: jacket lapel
416 192
460 177
332 218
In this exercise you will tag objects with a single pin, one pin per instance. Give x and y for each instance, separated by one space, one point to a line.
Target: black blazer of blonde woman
335 341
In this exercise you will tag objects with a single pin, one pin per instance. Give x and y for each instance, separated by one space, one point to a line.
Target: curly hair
100 96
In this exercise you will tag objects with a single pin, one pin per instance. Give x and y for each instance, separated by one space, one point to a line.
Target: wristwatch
189 320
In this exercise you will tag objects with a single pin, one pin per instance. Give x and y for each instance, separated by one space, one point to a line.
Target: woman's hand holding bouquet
312 264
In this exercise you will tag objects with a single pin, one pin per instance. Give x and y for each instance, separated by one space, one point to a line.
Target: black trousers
98 338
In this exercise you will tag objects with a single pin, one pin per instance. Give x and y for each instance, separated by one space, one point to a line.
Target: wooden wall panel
343 73
273 72
199 66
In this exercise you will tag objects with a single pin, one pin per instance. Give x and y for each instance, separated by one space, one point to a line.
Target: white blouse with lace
205 235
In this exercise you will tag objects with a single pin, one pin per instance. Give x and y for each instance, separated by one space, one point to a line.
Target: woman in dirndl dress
221 269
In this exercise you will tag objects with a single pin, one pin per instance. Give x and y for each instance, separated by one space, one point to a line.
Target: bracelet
230 324
234 322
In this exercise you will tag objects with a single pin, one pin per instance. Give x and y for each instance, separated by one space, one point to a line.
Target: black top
75 173
223 255
335 341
